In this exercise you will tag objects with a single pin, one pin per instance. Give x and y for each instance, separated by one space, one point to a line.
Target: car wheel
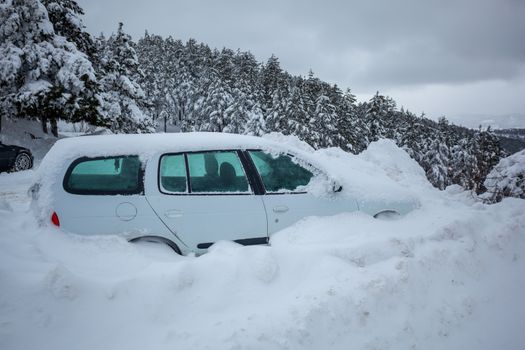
22 162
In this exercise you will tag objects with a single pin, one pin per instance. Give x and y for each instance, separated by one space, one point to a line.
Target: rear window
103 176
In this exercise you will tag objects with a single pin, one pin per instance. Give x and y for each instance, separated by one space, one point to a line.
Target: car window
109 175
173 173
220 171
280 173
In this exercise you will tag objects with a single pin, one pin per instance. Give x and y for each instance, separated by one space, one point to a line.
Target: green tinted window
111 175
173 173
280 173
216 172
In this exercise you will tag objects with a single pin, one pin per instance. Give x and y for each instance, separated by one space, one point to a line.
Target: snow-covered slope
449 275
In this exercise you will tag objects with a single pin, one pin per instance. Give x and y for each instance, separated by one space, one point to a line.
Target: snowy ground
449 275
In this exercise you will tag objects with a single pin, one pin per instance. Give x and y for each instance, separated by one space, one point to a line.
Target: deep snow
449 275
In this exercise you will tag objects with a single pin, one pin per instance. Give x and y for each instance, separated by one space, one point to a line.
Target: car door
205 197
104 195
289 195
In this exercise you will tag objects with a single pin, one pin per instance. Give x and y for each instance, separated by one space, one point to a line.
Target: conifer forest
53 70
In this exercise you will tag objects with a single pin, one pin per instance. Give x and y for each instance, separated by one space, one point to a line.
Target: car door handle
173 213
280 209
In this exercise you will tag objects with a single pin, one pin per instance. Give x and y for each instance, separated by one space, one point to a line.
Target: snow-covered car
188 190
15 158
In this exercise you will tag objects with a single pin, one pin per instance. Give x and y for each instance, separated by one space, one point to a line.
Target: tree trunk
44 125
54 127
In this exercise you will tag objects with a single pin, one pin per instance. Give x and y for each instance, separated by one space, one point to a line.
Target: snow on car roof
147 144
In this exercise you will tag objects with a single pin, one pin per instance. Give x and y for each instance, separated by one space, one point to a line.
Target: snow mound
446 276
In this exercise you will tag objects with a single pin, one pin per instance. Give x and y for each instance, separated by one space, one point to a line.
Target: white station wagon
187 190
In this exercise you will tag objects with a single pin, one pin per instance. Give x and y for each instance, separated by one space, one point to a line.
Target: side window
103 176
281 173
173 173
217 172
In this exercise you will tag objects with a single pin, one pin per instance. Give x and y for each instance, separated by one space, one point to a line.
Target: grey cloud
366 45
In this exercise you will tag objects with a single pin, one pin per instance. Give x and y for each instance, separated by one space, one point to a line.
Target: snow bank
449 275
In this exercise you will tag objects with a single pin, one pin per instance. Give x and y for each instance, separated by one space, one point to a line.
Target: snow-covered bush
507 179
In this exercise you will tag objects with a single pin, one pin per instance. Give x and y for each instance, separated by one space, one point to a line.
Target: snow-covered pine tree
237 113
463 164
246 73
296 121
66 17
322 124
436 162
42 74
272 80
350 129
211 113
507 179
159 65
379 115
256 124
123 102
275 116
488 153
414 139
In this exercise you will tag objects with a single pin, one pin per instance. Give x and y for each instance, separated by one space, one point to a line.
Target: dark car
15 158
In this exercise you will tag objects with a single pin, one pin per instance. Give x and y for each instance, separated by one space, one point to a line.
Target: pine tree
272 81
42 74
212 112
238 113
463 164
296 122
322 124
436 163
488 153
379 116
351 131
507 178
66 17
123 100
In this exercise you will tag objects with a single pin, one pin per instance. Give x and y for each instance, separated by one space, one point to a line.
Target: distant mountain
502 121
512 140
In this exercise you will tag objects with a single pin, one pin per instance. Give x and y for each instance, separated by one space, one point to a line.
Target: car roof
121 144
147 145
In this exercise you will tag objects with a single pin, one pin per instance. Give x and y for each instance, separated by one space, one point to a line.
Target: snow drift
449 275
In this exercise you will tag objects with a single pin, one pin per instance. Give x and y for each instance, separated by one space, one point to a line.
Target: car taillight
55 220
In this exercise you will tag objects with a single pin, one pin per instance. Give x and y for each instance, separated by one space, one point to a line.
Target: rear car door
104 195
288 184
205 197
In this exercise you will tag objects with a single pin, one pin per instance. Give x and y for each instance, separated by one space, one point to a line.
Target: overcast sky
443 57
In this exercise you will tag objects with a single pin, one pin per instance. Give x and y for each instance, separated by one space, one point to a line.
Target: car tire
22 162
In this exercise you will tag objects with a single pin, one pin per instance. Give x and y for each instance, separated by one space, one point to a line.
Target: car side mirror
336 186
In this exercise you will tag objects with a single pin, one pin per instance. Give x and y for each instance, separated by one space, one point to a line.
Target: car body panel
286 209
